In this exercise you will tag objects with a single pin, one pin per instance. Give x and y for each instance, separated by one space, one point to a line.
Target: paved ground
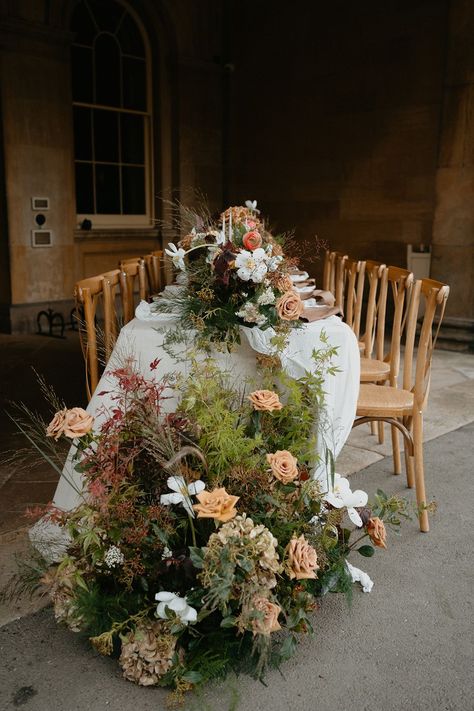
406 645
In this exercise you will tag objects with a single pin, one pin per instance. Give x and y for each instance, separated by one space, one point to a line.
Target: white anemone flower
358 576
340 495
177 255
179 605
252 205
274 262
182 493
251 266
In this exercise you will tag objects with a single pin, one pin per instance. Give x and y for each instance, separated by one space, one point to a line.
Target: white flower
266 297
113 557
341 495
358 576
166 553
177 255
252 205
182 493
179 605
250 313
274 262
251 265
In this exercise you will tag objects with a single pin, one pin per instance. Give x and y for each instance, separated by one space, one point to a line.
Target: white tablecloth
143 339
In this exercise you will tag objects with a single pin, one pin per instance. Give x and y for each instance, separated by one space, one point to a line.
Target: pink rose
302 559
77 422
56 426
268 621
289 306
283 465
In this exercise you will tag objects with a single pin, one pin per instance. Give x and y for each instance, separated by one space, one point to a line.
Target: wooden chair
403 407
89 293
395 289
132 273
333 275
353 292
375 274
154 267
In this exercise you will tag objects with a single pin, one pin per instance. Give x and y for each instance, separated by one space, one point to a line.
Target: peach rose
289 306
252 240
302 559
376 529
217 504
77 422
265 400
56 426
269 622
283 466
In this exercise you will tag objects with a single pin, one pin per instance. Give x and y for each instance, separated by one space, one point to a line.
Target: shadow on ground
406 645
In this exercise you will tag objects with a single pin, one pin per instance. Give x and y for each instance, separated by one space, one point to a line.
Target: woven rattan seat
392 402
373 371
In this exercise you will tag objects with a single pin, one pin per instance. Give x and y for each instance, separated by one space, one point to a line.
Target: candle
230 226
223 224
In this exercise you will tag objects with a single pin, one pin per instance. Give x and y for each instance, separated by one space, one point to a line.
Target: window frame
115 221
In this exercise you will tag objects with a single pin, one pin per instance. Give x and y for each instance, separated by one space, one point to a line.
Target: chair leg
409 463
397 465
381 432
373 428
419 470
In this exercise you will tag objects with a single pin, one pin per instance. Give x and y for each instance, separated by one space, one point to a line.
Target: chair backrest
132 274
333 274
89 294
353 292
154 267
433 295
375 274
395 290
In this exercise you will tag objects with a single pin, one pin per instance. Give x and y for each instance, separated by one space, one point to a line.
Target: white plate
304 289
299 277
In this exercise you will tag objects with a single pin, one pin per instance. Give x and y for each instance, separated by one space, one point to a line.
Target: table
143 337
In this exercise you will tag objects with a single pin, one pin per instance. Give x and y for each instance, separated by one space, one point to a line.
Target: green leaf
288 648
366 551
197 556
193 677
228 621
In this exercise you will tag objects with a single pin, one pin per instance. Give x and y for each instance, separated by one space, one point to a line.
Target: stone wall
37 147
336 119
453 234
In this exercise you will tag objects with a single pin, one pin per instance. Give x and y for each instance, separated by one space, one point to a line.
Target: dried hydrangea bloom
147 653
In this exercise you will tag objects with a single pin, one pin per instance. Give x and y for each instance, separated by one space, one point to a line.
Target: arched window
112 117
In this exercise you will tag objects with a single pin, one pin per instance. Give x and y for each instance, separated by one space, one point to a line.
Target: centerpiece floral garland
233 272
203 545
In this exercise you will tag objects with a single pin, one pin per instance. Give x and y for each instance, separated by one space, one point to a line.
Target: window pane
84 189
82 25
107 189
107 71
134 84
132 134
107 14
133 191
130 37
106 136
81 60
82 134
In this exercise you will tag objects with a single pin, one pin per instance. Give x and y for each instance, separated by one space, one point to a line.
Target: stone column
453 230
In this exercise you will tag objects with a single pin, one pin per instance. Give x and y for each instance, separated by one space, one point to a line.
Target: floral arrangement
234 272
203 544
